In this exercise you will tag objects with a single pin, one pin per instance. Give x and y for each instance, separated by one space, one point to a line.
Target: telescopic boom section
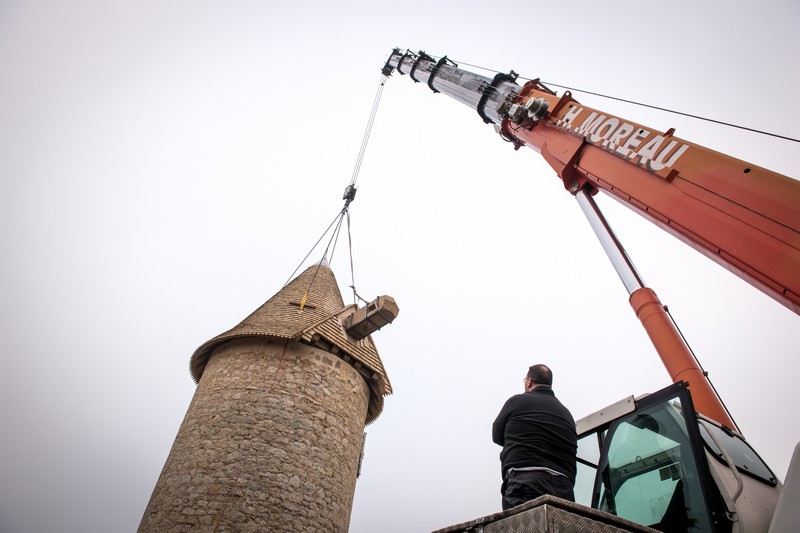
744 217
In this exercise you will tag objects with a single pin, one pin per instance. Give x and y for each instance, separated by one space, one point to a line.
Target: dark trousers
523 486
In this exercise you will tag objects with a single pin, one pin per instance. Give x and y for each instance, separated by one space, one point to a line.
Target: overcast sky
166 165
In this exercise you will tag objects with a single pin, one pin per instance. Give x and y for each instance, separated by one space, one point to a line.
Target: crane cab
657 462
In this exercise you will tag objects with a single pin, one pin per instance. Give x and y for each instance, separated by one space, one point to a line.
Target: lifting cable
673 111
348 197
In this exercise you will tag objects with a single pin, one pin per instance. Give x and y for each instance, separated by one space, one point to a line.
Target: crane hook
349 195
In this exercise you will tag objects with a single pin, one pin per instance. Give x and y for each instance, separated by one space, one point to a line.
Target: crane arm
744 217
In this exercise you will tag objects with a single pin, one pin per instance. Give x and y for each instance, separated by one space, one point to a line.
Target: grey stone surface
271 442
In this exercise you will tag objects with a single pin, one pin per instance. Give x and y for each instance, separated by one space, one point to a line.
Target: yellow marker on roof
303 301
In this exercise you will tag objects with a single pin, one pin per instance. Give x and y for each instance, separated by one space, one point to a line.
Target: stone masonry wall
266 445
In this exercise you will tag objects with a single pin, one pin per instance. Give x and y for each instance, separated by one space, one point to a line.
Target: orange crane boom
744 217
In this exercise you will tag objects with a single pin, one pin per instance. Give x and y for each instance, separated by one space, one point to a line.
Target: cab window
649 471
746 459
587 461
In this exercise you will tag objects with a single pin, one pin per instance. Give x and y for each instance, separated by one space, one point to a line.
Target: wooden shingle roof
318 324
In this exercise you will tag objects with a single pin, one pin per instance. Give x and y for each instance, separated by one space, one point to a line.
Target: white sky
166 165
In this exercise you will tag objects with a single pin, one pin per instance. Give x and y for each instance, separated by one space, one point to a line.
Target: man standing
539 442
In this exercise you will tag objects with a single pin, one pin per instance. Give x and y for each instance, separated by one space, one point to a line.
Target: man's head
538 375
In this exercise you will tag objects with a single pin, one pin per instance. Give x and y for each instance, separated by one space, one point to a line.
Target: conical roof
319 323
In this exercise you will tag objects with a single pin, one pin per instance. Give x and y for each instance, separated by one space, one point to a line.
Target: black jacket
535 429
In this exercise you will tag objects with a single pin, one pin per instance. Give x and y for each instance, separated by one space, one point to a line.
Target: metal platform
548 514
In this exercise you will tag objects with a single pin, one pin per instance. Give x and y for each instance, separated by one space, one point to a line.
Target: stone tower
273 437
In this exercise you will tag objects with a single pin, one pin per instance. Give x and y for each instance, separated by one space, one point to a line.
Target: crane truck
673 460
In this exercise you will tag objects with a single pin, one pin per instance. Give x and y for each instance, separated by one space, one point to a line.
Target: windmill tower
273 437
